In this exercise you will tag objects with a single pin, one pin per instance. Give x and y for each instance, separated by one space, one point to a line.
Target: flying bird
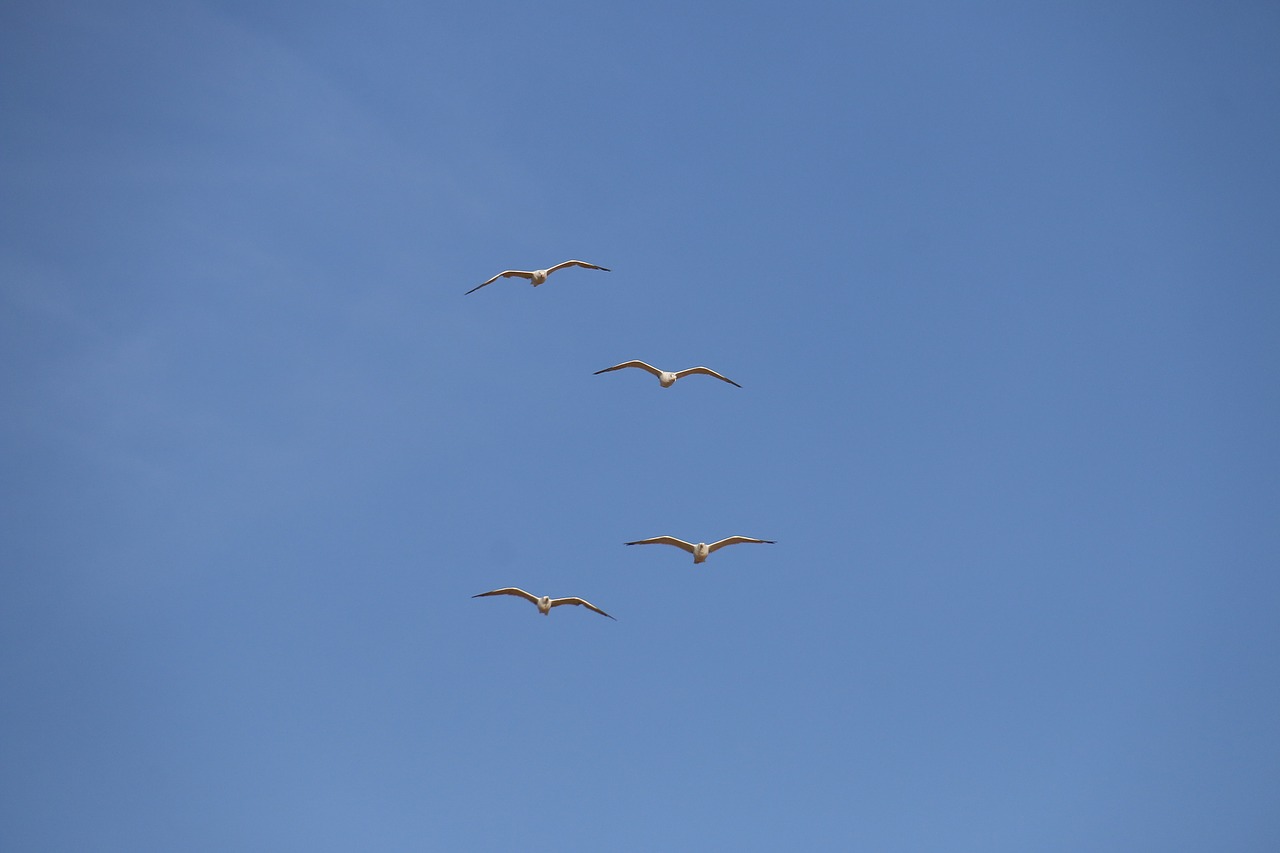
545 602
538 276
701 550
666 378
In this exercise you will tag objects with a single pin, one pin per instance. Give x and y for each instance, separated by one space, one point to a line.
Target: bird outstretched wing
503 274
734 540
709 372
640 364
510 590
561 266
665 540
556 602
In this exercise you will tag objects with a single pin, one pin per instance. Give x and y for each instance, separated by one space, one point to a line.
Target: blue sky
999 283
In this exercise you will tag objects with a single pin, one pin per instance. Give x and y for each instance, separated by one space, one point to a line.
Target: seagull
538 276
701 550
545 602
665 378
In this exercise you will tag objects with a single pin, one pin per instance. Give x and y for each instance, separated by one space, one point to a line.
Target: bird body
667 378
700 550
544 603
537 277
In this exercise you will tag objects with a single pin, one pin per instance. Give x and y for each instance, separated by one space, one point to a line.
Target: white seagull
545 602
701 550
666 378
537 276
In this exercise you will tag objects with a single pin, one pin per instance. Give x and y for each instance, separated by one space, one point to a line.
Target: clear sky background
999 281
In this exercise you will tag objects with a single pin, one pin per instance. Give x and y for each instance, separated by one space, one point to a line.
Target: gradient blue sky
999 281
